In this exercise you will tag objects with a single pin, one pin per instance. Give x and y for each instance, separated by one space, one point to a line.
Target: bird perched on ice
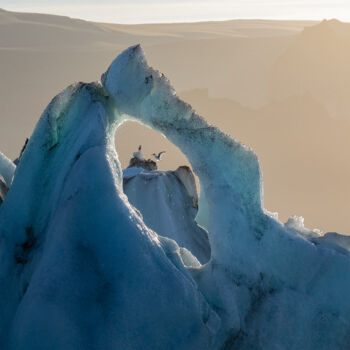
139 154
158 156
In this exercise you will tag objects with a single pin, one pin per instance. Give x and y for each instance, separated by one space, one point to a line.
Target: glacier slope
78 267
273 287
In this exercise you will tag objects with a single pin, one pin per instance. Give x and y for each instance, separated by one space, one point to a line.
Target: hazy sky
144 11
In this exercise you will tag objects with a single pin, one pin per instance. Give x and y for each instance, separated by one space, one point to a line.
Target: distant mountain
41 54
263 81
317 63
302 150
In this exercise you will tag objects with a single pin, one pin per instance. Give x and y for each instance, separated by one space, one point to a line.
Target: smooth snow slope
168 208
79 269
272 286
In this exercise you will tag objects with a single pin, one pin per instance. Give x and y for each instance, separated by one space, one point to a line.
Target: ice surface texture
79 269
7 169
168 208
271 286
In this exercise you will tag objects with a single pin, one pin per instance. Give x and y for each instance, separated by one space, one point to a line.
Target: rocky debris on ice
147 164
16 161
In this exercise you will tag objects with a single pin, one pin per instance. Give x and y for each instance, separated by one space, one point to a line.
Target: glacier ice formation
3 189
7 169
79 268
167 201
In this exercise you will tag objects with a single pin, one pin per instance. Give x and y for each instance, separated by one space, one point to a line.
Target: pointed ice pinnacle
79 269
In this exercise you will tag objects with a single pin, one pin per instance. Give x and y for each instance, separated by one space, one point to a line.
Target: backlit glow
143 11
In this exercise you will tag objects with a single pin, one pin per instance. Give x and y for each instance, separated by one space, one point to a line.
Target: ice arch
259 269
81 270
229 172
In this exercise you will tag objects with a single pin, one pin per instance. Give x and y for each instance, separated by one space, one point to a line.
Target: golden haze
280 87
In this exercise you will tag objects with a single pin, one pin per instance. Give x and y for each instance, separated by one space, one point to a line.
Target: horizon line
194 21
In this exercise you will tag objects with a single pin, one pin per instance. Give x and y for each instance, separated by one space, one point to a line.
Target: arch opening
166 197
130 134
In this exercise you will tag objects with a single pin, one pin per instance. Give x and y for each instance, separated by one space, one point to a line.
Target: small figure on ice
139 154
138 160
158 156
